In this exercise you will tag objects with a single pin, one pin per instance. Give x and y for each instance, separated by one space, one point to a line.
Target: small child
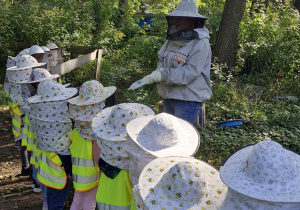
19 92
53 127
109 125
29 138
83 149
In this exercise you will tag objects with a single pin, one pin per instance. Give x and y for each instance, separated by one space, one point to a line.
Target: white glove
155 76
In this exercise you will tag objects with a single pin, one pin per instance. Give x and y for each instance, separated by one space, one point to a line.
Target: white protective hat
52 46
235 200
50 90
46 49
110 123
39 75
21 72
180 183
25 62
92 92
23 52
35 49
264 171
164 135
186 8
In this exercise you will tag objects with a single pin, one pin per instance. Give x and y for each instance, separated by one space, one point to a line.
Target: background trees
226 45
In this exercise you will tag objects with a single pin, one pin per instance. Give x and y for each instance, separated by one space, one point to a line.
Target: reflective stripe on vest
120 197
36 155
50 172
25 132
31 137
34 159
10 105
85 171
16 118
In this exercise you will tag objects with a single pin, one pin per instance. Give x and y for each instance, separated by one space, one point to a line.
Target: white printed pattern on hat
85 113
265 171
183 183
92 92
50 90
51 111
164 135
53 136
115 156
110 123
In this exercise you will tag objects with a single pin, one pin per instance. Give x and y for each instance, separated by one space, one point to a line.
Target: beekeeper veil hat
183 20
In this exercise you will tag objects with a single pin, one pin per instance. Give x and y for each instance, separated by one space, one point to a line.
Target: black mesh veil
174 34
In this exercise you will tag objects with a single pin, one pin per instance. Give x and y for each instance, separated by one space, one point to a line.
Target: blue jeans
43 187
186 110
57 198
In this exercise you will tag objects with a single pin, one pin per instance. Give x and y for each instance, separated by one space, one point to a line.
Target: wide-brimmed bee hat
92 92
39 75
21 72
264 171
164 135
110 123
179 183
50 90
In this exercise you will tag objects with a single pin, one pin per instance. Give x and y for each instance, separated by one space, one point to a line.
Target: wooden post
99 58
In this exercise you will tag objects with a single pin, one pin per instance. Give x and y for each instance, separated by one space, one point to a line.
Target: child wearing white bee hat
85 172
264 176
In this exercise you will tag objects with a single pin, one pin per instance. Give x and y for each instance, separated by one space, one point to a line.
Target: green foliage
269 41
39 22
212 10
264 119
3 98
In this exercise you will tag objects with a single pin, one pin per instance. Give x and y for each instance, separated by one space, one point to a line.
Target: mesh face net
182 28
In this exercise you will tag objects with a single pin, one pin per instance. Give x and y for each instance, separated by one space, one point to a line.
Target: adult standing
183 69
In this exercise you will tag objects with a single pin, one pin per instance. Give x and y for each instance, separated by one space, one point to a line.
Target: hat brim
188 144
70 92
67 85
54 76
111 135
233 174
177 13
26 67
81 102
156 169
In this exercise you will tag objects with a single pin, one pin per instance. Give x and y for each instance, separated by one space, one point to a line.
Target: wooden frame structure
89 53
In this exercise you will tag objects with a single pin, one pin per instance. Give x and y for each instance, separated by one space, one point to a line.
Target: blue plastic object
230 123
145 21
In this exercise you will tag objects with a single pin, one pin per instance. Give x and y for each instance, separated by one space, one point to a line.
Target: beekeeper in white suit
183 71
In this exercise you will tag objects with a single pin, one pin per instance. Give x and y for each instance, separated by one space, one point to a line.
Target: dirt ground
15 190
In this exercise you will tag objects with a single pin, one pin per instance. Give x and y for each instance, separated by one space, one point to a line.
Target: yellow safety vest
85 172
51 173
25 132
115 193
35 157
28 139
16 118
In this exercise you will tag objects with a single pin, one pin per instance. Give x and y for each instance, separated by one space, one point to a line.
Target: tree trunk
227 39
122 6
296 4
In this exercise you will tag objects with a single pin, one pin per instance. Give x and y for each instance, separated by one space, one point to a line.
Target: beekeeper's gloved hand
155 76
